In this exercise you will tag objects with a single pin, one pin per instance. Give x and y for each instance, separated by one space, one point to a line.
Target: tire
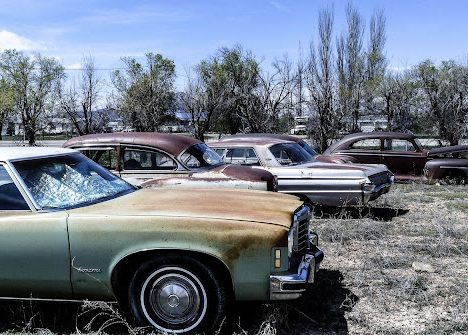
177 294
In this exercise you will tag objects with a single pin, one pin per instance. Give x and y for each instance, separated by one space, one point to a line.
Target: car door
365 151
402 157
34 253
139 165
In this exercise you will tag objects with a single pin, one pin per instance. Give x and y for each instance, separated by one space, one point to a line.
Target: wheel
177 294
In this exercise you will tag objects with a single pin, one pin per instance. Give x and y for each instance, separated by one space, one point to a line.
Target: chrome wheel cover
176 297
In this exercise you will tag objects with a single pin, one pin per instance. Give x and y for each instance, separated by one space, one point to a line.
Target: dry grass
367 284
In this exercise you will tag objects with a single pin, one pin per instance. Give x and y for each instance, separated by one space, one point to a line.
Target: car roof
13 153
170 143
261 135
259 141
368 135
380 134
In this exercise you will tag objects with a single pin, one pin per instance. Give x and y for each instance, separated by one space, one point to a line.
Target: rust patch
240 205
245 173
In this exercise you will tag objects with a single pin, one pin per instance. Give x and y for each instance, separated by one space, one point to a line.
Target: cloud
136 15
10 40
280 7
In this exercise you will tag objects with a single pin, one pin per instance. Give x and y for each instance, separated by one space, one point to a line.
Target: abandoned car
404 155
299 174
318 157
70 229
157 159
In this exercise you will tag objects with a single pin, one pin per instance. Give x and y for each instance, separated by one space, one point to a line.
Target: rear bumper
289 286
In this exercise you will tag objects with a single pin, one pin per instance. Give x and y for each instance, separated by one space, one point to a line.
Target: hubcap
175 298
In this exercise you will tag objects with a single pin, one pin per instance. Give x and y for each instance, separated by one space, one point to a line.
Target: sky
188 31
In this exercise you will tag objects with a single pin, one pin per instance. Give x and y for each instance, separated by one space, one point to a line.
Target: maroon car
404 156
156 159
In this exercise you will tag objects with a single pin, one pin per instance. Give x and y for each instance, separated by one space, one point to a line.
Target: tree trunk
31 136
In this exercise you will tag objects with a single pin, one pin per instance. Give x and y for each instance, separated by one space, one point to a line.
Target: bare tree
275 92
399 92
298 97
446 89
350 66
34 81
80 103
320 83
376 63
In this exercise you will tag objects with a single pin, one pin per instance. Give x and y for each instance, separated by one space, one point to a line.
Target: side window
147 160
251 158
104 157
367 144
10 196
398 145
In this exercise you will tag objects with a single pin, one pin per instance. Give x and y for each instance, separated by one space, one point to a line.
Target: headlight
273 186
367 186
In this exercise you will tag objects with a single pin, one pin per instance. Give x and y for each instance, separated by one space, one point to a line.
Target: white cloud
280 7
136 15
10 40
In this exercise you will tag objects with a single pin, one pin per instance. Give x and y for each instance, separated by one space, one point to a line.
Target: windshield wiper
44 208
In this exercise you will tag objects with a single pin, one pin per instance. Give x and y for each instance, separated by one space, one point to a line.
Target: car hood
239 205
237 172
445 150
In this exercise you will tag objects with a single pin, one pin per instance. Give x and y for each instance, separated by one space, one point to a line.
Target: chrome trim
55 300
305 275
23 189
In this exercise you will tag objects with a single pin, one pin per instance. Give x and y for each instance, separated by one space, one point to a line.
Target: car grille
380 178
301 233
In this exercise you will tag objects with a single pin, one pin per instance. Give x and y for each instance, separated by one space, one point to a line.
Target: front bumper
377 191
290 286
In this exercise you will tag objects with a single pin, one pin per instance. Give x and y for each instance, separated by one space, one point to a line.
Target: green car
174 258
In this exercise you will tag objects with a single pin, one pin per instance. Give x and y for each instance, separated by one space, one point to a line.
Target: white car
300 174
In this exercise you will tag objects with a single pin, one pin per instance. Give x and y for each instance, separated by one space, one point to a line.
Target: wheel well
125 269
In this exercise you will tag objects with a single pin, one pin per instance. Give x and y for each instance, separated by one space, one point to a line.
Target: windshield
69 181
290 154
307 148
200 156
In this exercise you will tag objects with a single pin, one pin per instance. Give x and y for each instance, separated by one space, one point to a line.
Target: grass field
397 267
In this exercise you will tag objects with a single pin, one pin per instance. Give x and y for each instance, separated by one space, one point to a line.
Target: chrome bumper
292 285
369 195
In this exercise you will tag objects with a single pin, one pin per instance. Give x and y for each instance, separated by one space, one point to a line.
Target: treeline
336 80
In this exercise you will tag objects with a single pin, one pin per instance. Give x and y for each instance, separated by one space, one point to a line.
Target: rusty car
71 230
298 173
404 155
159 159
306 146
